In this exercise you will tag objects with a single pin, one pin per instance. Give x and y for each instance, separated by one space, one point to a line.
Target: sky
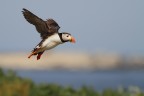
97 25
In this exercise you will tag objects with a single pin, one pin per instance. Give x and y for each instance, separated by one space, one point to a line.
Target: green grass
13 85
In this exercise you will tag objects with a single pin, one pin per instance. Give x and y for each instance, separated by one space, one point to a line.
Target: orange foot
39 55
33 53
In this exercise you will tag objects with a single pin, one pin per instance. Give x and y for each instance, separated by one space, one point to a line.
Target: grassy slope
13 85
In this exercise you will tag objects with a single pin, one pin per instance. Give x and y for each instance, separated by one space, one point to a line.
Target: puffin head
66 37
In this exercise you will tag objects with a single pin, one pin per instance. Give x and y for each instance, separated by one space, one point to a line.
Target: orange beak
72 39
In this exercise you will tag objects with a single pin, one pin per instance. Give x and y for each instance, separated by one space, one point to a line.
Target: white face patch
66 37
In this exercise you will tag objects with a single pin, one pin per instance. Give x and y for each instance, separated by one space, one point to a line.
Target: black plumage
45 28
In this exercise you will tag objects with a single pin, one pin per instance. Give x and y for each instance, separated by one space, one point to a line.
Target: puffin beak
72 40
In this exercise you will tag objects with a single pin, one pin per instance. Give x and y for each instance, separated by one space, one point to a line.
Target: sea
97 79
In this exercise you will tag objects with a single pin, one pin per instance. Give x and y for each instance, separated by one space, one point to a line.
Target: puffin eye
67 35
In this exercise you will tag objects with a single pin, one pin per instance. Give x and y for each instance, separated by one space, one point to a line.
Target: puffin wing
45 28
53 27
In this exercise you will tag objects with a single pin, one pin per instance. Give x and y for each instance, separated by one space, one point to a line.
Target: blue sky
97 25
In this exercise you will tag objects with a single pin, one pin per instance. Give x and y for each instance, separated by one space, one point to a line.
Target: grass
13 85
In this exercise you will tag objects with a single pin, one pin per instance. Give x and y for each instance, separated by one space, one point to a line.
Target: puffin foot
39 55
33 53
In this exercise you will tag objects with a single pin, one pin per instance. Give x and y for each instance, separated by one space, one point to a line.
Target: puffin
49 33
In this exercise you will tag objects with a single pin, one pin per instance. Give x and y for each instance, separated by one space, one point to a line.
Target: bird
49 33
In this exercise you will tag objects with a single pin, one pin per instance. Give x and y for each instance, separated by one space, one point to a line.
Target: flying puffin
49 33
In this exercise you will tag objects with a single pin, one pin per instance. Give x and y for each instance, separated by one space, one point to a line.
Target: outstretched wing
45 28
52 26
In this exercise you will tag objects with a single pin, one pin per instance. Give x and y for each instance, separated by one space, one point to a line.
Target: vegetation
13 85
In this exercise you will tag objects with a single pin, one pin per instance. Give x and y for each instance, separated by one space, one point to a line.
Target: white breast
51 42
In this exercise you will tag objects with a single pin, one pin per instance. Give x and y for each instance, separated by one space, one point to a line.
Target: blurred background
108 53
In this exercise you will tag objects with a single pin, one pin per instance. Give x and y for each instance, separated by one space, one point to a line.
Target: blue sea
99 80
